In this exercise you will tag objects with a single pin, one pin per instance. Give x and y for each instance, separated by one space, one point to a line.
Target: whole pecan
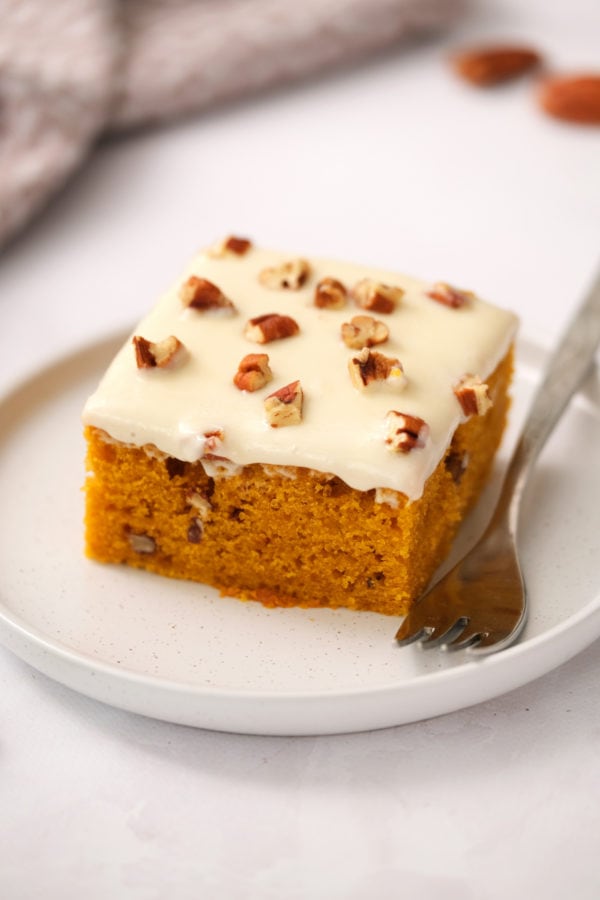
489 65
572 98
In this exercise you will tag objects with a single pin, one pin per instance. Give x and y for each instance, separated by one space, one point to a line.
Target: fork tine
429 632
469 639
426 621
445 634
494 640
407 634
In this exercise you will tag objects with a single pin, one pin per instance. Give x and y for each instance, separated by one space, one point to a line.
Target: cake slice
301 432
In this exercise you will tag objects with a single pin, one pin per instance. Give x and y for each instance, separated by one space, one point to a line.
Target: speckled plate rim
298 712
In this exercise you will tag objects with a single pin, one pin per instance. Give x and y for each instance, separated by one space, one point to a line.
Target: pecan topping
284 407
141 543
230 246
290 275
202 295
448 295
370 366
330 294
377 297
270 327
405 432
149 354
473 395
253 372
364 331
213 440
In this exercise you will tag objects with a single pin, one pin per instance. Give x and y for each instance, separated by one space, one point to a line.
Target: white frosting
343 429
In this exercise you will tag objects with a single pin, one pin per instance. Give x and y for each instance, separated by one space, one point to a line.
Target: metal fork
481 604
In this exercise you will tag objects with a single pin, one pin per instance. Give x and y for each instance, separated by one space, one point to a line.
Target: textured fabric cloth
73 69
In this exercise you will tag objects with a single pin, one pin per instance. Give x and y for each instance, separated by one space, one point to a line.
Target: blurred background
135 132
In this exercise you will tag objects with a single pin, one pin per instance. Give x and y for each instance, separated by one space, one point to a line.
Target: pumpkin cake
300 432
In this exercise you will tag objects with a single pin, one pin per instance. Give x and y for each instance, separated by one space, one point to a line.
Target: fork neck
566 370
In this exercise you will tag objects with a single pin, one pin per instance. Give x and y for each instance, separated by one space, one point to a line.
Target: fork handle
566 369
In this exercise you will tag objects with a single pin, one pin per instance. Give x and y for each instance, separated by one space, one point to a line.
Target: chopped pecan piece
213 440
377 297
284 407
203 295
253 372
448 295
473 395
370 367
195 531
330 294
405 432
456 464
141 543
230 246
199 501
149 354
270 327
364 331
290 275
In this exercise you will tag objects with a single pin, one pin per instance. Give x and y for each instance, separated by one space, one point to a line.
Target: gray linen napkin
71 70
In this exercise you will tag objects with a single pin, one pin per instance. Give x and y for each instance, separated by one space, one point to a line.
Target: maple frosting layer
343 429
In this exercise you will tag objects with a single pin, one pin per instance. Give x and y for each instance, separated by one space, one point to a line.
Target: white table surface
392 162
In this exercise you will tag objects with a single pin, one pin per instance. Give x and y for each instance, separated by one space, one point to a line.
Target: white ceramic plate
177 651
